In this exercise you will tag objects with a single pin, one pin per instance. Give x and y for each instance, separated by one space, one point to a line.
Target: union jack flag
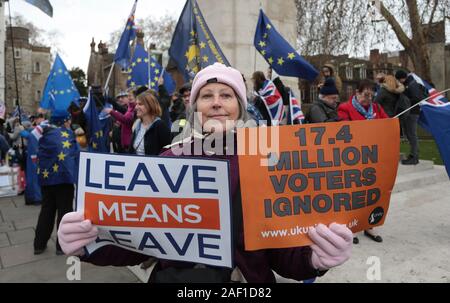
273 101
295 109
436 98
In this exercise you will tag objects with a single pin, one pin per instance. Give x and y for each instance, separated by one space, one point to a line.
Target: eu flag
43 5
280 55
435 119
142 65
57 156
123 52
98 137
59 89
193 45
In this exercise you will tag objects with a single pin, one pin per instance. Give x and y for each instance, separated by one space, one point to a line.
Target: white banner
169 208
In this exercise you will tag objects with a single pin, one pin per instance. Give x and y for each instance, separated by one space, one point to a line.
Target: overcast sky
80 20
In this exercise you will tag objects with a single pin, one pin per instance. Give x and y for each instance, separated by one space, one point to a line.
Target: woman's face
365 97
141 110
217 104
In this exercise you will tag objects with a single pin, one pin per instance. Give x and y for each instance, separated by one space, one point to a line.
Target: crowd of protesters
146 122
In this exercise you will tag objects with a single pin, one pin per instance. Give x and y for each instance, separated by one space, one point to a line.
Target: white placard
169 208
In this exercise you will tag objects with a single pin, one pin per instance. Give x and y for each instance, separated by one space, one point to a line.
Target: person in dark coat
389 93
416 93
332 245
150 133
325 108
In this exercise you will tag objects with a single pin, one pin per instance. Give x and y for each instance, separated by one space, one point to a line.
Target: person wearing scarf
362 107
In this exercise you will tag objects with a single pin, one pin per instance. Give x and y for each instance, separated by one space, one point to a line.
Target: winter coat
255 266
320 112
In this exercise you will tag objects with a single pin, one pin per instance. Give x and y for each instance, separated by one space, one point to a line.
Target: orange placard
321 173
108 210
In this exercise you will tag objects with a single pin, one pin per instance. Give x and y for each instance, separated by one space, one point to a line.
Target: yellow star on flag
262 43
60 71
66 144
61 156
270 60
146 60
129 77
65 134
55 168
153 64
269 26
157 71
202 45
156 78
152 84
133 84
205 59
280 61
94 145
263 52
45 173
133 64
291 56
192 33
139 60
68 91
266 35
61 92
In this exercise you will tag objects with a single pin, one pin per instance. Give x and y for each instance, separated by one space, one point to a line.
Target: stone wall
30 81
233 24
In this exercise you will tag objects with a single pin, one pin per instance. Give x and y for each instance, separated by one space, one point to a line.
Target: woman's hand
332 246
74 233
108 110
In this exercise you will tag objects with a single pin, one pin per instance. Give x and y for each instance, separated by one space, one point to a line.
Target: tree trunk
416 47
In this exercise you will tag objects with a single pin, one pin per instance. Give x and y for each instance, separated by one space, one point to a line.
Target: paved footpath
416 245
19 264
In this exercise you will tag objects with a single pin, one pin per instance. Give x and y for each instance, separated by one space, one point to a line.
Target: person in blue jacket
57 170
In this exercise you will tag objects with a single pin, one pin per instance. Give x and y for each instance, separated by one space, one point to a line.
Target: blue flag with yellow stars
57 156
123 52
59 89
193 45
280 55
97 129
142 65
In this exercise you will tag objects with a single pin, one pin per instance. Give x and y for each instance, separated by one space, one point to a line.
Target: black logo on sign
376 216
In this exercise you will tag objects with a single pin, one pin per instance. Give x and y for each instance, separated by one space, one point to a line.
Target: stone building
100 63
32 66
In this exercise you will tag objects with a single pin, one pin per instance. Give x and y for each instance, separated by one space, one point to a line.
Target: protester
325 108
389 94
126 123
362 107
219 97
328 72
416 93
150 133
58 169
259 80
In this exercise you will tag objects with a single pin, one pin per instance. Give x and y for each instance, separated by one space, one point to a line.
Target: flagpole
106 89
14 64
149 67
426 99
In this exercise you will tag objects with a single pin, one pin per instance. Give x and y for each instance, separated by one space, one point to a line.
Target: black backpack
403 103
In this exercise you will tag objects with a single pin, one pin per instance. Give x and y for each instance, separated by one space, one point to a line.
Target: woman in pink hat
218 101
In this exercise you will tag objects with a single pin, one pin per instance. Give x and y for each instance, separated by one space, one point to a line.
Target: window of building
38 95
349 72
17 54
313 94
27 77
37 67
